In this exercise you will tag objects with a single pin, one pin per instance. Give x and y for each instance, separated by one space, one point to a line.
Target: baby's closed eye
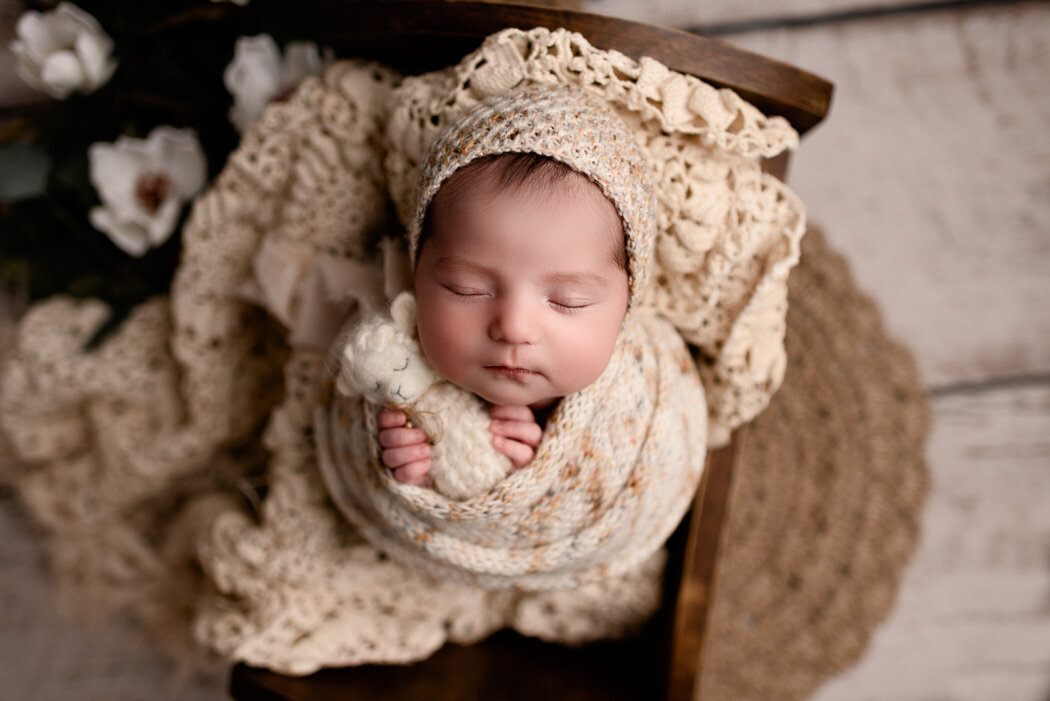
570 304
466 291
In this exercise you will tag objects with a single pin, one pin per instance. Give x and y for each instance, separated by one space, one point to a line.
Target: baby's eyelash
460 293
570 307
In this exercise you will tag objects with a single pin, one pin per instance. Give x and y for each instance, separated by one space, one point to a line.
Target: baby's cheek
589 361
446 348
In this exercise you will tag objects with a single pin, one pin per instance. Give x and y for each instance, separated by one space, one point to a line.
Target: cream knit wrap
611 479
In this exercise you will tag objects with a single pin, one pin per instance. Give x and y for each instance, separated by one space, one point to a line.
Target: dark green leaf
23 171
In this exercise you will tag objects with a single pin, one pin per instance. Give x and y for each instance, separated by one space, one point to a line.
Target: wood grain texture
707 526
972 621
931 175
720 13
681 13
441 33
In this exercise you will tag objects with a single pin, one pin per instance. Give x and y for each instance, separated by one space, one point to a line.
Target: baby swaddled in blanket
559 431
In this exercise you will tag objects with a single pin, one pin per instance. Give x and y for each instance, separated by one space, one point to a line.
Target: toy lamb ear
403 312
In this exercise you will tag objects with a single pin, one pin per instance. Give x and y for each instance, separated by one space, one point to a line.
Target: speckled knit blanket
614 474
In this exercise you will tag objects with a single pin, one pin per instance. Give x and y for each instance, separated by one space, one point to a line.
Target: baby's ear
403 312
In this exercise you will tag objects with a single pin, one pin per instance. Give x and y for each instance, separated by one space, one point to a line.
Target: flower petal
62 73
256 63
75 21
184 160
160 226
94 54
62 51
114 170
301 58
26 69
253 77
36 35
129 238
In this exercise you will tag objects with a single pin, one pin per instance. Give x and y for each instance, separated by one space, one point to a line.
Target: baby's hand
405 450
515 433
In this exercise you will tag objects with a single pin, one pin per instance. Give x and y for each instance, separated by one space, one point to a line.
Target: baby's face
520 295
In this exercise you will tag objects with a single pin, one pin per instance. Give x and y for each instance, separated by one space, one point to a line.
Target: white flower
143 184
62 51
258 74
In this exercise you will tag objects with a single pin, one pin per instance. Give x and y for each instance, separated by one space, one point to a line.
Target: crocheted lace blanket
173 467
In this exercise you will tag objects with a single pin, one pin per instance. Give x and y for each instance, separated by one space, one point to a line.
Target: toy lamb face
381 360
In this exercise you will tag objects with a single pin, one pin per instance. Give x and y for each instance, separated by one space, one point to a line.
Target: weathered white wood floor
932 175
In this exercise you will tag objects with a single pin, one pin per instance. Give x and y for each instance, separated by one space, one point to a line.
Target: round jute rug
825 505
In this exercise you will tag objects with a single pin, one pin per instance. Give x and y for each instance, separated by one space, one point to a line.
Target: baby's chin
510 397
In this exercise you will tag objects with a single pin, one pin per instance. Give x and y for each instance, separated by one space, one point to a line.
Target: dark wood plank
700 566
505 667
777 166
419 36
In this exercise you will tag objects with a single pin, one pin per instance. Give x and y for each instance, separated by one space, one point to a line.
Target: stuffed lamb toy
380 359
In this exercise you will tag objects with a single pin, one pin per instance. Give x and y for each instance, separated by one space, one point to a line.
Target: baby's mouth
508 371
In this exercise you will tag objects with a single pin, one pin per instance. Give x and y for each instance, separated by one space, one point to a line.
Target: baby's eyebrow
451 263
568 279
576 279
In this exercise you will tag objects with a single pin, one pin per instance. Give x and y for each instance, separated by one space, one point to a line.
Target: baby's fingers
402 456
520 454
414 473
391 418
527 432
398 437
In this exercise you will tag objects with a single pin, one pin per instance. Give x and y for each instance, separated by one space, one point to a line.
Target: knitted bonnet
563 123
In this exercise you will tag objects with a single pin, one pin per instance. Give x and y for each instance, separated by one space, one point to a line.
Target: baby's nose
514 323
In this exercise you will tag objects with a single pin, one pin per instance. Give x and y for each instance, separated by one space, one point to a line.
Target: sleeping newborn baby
529 242
521 282
521 265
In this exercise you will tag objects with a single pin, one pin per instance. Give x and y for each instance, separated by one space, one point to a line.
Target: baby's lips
514 372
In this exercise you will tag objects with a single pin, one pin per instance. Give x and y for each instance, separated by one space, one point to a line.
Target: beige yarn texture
173 467
563 123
